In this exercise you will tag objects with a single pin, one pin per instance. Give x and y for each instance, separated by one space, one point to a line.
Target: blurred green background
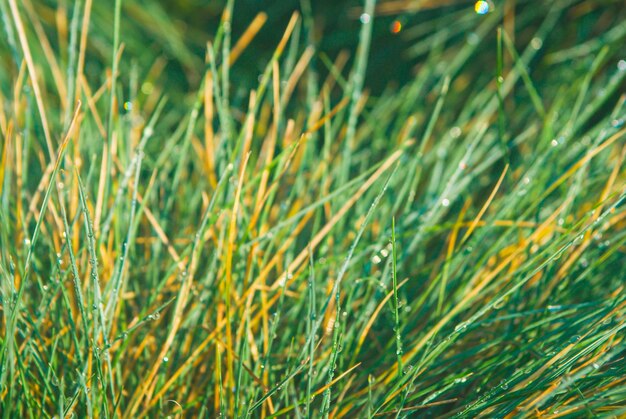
393 57
177 31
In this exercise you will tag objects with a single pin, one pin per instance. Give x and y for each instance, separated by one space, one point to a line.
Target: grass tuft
312 209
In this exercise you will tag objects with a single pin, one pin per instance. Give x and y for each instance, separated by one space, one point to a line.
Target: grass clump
430 222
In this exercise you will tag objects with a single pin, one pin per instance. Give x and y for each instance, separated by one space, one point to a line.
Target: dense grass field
313 209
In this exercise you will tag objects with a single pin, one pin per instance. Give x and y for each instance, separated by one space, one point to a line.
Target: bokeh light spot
481 7
396 27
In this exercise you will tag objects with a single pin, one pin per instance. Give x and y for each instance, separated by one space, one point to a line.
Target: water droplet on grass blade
473 39
455 132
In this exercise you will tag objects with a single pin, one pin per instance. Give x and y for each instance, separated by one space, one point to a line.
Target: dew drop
473 39
365 18
499 303
460 327
617 123
536 43
445 202
621 65
455 132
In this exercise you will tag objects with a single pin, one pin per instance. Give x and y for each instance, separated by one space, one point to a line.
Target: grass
184 233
